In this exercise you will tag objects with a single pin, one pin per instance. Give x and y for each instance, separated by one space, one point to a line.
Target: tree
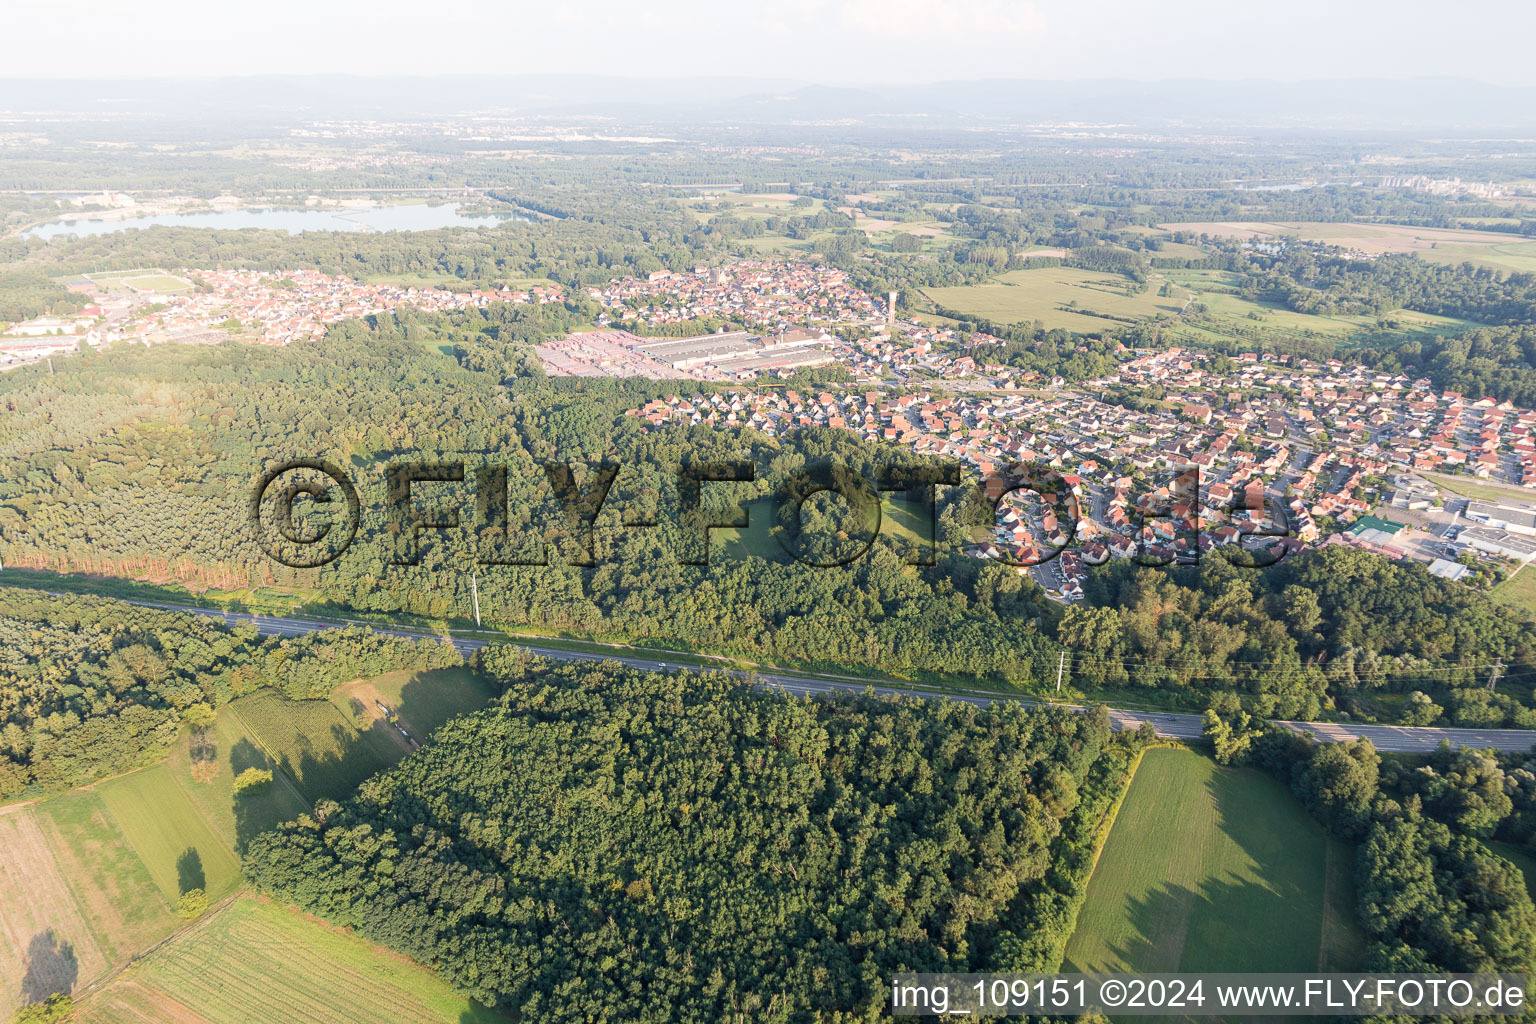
192 904
761 835
1419 709
1465 789
198 716
55 1008
252 780
1230 729
1338 785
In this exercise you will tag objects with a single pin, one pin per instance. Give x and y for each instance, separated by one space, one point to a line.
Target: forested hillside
610 845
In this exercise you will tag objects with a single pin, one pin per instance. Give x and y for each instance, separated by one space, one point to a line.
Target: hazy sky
814 40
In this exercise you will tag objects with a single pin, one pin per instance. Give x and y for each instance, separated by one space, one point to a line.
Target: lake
416 217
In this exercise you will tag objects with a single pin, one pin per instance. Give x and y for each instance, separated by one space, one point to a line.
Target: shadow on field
189 871
1260 909
51 968
334 769
253 814
429 700
1225 925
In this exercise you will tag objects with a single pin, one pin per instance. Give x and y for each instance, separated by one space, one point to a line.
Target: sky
829 41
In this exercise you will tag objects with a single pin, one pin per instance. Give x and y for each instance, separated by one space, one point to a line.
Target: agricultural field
1060 297
314 744
171 836
90 877
123 908
46 945
254 962
1494 249
751 207
423 701
1178 251
879 230
1215 869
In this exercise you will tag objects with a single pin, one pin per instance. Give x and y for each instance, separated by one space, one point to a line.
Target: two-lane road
1390 738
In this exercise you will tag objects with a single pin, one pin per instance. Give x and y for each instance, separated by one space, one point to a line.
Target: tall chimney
890 313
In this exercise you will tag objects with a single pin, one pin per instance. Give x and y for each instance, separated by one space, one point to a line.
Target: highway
1387 738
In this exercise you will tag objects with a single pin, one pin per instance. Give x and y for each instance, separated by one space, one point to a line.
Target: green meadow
1215 869
423 700
902 523
176 843
1061 297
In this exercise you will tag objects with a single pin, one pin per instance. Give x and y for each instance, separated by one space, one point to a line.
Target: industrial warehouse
734 355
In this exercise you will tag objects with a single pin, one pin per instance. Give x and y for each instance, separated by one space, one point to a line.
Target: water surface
412 217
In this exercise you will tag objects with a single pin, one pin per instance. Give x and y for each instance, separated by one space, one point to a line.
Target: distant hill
1254 103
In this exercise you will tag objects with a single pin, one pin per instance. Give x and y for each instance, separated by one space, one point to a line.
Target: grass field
90 877
1179 251
45 943
1519 590
257 963
152 281
1214 869
423 700
1439 245
205 767
1046 294
120 902
1229 313
315 744
176 843
1471 487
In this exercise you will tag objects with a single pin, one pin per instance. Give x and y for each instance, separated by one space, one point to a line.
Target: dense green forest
1330 628
26 294
605 844
1311 283
91 686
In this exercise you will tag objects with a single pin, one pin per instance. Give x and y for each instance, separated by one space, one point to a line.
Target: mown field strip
254 962
173 840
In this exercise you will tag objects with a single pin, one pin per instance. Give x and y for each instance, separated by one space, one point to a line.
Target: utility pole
1493 676
1061 665
474 586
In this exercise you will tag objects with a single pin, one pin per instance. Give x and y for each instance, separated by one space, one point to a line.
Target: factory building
741 354
1514 518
